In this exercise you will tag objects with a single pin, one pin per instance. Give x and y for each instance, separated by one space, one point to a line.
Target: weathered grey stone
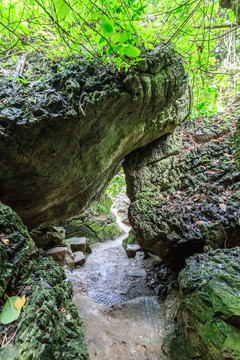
208 320
132 249
79 258
77 244
58 254
47 237
183 198
58 152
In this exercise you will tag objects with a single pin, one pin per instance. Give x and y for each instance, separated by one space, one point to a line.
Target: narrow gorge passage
123 318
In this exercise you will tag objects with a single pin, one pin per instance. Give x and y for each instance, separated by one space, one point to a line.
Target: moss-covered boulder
15 246
46 237
96 228
184 197
63 139
97 224
49 327
207 325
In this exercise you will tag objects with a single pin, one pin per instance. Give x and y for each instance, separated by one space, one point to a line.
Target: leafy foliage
117 33
117 184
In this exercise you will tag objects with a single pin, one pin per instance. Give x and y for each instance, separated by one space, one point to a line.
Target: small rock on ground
58 254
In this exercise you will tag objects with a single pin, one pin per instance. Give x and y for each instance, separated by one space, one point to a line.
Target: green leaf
21 80
120 37
131 51
27 281
62 9
109 50
107 27
9 312
102 41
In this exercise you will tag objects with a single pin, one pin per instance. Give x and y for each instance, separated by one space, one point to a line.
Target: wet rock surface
185 197
208 319
78 120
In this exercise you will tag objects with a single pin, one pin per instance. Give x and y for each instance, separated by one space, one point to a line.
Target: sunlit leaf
131 51
62 9
107 27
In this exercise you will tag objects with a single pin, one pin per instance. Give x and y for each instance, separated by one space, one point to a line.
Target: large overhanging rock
63 139
184 198
208 320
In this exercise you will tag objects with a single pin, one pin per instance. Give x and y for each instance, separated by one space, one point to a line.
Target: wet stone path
123 318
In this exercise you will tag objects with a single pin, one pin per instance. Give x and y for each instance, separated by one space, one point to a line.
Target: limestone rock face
208 319
63 140
184 197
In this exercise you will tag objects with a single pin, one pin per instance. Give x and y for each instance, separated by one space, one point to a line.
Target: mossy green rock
49 327
46 237
20 246
58 152
94 226
207 325
185 197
